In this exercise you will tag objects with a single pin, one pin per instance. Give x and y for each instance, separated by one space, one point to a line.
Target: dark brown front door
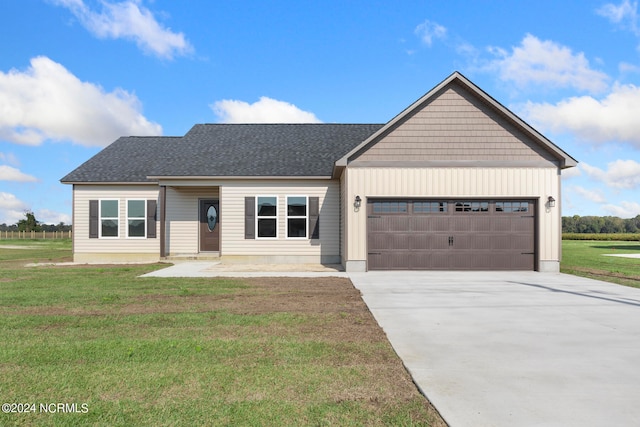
209 226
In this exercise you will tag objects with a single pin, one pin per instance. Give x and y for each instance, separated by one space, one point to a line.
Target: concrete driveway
514 348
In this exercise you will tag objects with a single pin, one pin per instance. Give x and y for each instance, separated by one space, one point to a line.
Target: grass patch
586 258
160 351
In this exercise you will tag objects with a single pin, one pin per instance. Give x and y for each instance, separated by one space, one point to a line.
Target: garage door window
512 207
429 207
390 207
472 206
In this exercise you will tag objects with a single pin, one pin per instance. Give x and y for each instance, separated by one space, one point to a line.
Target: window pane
267 206
266 227
109 228
136 228
109 208
135 208
297 227
390 207
297 206
429 207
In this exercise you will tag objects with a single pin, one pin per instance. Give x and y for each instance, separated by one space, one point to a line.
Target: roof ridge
286 124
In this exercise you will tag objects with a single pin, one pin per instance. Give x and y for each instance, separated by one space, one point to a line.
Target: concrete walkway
514 348
219 269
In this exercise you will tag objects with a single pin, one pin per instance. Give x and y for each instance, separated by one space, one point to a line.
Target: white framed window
297 217
109 218
266 217
136 218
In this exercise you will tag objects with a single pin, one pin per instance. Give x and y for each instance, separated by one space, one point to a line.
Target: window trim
101 218
143 218
288 217
259 217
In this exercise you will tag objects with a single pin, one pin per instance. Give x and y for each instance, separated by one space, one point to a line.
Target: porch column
163 213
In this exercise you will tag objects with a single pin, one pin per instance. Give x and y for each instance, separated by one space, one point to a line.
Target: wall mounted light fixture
551 202
357 202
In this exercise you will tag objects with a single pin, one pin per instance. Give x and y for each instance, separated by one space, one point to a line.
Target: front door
209 225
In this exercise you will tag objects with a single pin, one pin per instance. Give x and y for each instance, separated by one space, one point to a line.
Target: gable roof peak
565 160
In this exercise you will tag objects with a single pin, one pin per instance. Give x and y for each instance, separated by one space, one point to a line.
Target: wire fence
36 234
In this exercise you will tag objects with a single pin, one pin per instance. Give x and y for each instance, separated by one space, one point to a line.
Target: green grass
586 258
168 352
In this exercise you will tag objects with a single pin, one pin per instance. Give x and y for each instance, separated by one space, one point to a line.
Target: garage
456 234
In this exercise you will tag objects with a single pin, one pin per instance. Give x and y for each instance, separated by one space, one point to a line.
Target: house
455 181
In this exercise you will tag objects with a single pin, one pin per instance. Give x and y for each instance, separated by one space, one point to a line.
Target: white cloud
9 158
546 63
571 172
625 14
8 173
47 216
129 20
48 102
625 67
595 196
621 174
429 30
266 110
11 208
614 118
624 210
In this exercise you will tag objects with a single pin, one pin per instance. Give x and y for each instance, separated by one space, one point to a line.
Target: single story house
455 182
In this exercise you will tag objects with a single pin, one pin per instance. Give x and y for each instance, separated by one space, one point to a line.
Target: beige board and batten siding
234 246
181 221
120 249
455 183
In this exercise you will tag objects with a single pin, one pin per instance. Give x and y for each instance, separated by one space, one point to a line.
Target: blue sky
77 74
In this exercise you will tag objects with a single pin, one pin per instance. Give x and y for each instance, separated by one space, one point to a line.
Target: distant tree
29 223
598 224
632 225
61 226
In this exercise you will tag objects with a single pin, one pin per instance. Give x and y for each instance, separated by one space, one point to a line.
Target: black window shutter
151 219
314 217
93 219
249 217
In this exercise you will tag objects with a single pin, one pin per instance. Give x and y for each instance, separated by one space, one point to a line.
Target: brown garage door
451 234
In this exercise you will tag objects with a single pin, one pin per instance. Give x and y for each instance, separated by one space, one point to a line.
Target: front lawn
158 351
587 258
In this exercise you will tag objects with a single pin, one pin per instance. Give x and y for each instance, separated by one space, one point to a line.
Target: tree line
600 224
570 224
30 223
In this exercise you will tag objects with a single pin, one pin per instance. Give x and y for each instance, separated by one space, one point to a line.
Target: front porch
190 222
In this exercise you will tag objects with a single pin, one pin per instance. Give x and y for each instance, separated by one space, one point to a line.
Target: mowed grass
172 352
587 258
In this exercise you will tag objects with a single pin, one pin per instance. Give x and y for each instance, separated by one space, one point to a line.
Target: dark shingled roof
226 150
